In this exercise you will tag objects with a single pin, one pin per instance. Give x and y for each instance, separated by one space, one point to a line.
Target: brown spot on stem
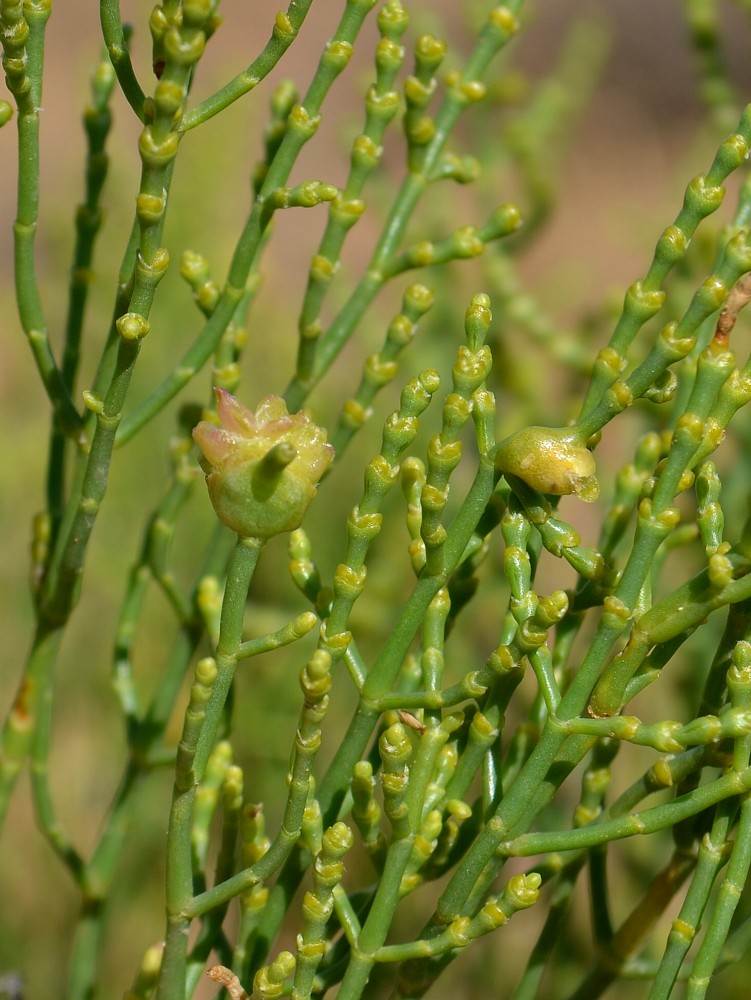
740 295
21 711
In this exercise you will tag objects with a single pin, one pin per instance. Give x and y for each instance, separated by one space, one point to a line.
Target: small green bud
712 292
196 12
672 244
421 131
429 53
503 21
416 92
379 372
381 106
392 19
168 97
732 152
132 326
365 153
346 212
302 122
702 198
322 269
643 304
150 208
269 980
261 468
158 23
551 460
462 169
194 268
283 99
467 91
337 54
284 30
389 55
466 243
157 152
396 749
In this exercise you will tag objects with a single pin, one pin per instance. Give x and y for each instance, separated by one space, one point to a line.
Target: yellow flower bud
261 468
551 460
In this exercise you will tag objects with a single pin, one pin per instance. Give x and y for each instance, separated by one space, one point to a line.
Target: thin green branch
301 127
647 821
285 31
23 45
202 721
497 31
113 33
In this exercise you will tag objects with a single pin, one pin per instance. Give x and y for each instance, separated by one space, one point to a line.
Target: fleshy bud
551 460
261 468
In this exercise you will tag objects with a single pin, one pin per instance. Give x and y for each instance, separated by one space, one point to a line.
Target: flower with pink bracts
261 468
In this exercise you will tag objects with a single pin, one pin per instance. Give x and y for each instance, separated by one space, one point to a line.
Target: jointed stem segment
452 752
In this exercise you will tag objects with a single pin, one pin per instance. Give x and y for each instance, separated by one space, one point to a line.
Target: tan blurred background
621 181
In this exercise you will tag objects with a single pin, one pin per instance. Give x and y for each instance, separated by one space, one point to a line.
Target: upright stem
202 722
18 730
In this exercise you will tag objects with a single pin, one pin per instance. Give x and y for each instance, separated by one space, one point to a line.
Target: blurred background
620 166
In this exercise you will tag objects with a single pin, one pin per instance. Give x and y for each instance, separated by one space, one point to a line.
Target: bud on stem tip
262 468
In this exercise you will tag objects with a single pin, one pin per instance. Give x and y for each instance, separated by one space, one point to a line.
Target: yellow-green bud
261 468
551 460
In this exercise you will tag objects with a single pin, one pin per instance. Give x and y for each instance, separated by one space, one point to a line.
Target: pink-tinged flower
261 468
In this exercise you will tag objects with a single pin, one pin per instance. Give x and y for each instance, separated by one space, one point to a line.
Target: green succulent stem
199 737
20 724
97 121
28 296
644 299
464 685
499 28
301 127
114 35
286 29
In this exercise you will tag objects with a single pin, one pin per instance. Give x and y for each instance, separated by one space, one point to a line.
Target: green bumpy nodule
552 460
